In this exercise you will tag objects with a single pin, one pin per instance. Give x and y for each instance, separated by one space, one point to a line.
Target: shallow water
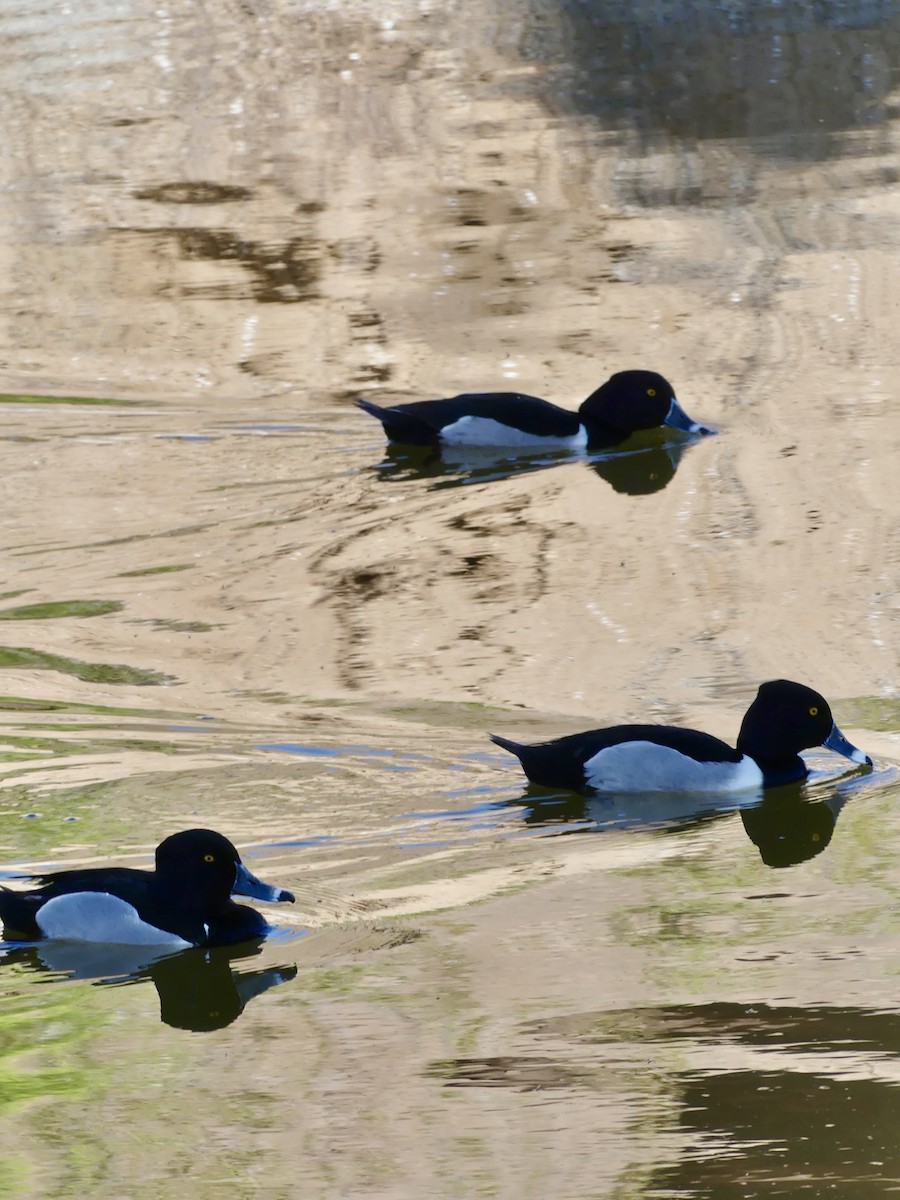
225 603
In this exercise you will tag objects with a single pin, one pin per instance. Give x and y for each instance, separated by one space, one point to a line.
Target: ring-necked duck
627 402
784 719
185 901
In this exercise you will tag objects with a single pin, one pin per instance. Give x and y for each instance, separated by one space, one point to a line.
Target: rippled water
225 602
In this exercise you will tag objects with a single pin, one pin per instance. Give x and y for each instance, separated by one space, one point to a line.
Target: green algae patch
178 626
38 704
22 658
53 609
165 570
14 748
881 714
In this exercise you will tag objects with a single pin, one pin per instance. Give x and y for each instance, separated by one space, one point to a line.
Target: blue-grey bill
839 744
246 884
677 418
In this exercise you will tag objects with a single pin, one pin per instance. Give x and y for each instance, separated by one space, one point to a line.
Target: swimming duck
627 402
784 719
186 901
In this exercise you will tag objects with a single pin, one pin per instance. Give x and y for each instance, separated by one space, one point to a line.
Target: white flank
646 767
98 917
484 431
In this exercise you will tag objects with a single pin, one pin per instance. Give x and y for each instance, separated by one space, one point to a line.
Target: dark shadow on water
639 469
792 80
772 1100
197 988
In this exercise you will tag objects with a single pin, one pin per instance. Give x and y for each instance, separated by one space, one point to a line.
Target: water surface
225 602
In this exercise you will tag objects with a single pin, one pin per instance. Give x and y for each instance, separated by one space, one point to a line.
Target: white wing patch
99 917
647 767
484 431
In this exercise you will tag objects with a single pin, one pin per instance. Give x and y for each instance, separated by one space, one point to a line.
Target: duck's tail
505 744
372 409
399 425
549 764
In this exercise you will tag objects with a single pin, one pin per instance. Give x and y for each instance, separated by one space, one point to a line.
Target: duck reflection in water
788 825
639 470
198 989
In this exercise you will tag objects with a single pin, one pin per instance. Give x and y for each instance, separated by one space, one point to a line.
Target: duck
185 901
627 402
784 718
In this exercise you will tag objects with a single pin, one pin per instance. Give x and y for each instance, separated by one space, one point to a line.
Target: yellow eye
651 391
813 712
209 858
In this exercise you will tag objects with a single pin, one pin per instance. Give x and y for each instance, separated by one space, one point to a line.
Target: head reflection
788 827
198 989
